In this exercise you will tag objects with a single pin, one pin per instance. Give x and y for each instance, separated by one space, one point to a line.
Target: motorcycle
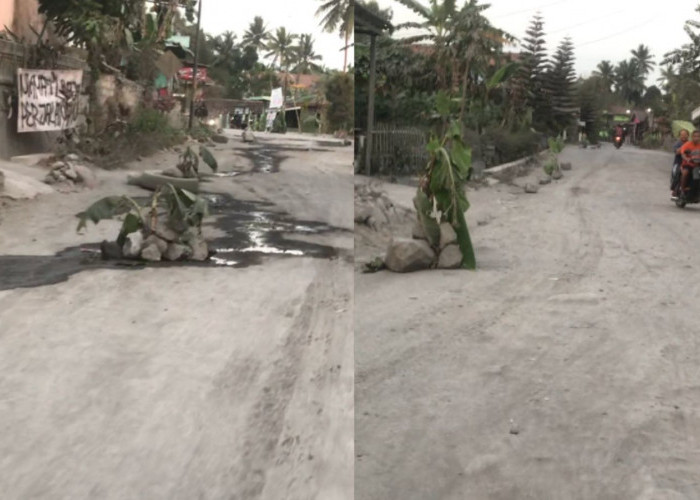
618 141
692 195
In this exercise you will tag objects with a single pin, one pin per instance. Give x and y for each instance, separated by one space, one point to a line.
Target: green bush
510 146
279 126
340 93
651 141
148 121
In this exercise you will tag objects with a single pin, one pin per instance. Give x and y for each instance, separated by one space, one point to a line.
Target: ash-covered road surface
188 381
566 367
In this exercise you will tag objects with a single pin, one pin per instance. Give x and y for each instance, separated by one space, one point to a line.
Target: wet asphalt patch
252 231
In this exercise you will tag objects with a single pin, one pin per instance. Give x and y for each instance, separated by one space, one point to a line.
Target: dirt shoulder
562 368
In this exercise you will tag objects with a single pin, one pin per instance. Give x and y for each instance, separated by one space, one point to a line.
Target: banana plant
441 196
185 211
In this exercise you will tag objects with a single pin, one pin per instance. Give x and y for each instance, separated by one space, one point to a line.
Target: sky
600 29
297 16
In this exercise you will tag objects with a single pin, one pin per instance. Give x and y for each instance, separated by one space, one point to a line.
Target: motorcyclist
690 152
677 161
619 132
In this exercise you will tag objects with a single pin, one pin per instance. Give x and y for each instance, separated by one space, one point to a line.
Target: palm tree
629 81
643 59
338 13
305 56
606 72
281 48
667 75
256 34
224 46
436 22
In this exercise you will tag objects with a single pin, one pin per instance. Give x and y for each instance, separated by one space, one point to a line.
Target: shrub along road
184 382
565 367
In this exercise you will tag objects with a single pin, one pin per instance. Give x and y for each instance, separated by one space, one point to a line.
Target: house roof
301 81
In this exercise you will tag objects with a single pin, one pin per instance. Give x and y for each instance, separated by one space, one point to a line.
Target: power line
552 4
618 33
588 22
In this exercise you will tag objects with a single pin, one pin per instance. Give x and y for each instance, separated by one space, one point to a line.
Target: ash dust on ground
219 380
565 367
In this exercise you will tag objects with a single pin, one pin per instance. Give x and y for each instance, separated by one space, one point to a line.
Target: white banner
276 100
48 99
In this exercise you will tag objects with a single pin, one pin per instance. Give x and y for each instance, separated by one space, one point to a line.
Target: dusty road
185 382
567 367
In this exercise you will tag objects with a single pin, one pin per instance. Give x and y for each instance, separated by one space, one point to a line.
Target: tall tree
306 56
281 48
629 81
338 15
532 75
560 85
643 59
256 34
606 72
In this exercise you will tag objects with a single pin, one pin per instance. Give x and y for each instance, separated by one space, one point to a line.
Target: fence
398 150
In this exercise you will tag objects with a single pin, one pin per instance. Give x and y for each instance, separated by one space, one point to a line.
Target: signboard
187 73
48 99
276 100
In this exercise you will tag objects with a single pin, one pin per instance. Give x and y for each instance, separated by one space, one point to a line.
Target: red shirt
690 151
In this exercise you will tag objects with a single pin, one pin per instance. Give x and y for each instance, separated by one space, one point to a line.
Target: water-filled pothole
250 232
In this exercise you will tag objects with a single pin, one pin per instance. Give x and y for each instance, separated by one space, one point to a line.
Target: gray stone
447 234
172 172
200 249
362 213
450 257
86 175
165 232
133 245
565 166
59 176
72 157
110 250
531 188
418 232
155 240
219 138
248 136
556 175
177 251
151 253
406 255
58 165
50 178
545 179
492 181
70 172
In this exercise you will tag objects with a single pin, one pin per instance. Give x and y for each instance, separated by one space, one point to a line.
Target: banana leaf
208 158
107 208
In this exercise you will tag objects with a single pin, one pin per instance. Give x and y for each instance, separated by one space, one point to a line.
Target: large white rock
406 255
133 245
248 136
86 175
450 257
447 234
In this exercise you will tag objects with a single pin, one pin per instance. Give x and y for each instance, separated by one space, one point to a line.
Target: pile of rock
69 173
373 208
416 253
163 243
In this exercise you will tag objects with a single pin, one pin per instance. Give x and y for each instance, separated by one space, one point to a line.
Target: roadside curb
514 166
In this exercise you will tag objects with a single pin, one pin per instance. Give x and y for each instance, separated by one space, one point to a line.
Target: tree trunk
345 61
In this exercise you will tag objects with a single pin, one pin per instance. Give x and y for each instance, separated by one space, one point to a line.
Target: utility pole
196 61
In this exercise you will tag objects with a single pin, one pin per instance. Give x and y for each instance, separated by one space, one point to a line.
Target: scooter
618 141
692 195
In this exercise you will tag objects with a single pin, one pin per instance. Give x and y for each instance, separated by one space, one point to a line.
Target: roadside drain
251 232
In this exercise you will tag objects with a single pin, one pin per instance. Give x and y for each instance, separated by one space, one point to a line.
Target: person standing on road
691 158
678 160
